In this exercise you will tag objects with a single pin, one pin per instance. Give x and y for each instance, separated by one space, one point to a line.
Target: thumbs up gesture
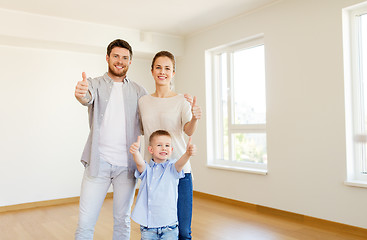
191 148
134 148
195 109
139 161
81 88
190 151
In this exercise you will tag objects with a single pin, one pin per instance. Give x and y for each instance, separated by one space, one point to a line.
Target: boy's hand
134 148
196 110
190 151
138 159
191 148
81 88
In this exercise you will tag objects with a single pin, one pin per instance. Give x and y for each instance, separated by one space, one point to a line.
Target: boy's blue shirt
156 204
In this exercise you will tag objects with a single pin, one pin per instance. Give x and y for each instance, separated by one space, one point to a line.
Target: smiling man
112 101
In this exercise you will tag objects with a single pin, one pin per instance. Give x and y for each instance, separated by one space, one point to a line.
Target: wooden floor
212 220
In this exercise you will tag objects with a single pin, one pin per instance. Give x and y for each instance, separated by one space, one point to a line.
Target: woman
167 110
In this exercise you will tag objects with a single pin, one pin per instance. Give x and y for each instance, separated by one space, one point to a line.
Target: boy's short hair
120 43
158 133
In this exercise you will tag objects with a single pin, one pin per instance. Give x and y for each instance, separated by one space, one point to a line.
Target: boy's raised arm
139 161
190 151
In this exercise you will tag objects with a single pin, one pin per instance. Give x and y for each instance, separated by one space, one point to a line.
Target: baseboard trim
312 221
46 203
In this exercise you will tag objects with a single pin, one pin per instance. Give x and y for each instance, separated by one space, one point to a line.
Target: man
112 101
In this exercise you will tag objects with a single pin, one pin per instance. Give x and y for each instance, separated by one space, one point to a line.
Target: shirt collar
109 79
152 164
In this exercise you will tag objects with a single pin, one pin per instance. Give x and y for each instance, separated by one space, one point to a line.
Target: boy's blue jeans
161 233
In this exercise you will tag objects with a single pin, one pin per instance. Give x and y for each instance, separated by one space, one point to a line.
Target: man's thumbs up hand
81 88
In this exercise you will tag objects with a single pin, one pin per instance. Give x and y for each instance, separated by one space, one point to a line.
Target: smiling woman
167 110
163 71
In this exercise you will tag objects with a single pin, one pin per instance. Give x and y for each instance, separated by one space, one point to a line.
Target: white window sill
356 183
238 169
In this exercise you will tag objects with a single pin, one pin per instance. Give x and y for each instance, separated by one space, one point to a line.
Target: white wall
305 111
43 128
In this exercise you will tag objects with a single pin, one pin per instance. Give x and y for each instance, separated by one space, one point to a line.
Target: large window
355 66
237 106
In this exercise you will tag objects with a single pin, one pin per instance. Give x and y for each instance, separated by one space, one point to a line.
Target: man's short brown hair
119 43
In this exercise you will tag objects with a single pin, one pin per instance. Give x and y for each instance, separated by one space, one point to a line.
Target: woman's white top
170 114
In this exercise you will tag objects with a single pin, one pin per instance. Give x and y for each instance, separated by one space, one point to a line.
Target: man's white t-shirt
112 141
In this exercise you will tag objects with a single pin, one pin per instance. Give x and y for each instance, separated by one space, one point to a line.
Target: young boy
156 205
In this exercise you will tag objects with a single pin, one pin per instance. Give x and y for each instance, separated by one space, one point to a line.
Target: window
355 71
235 77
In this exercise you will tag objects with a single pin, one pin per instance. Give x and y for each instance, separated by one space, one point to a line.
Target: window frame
356 137
213 111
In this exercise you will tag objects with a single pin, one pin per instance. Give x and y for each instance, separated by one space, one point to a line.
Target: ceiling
174 17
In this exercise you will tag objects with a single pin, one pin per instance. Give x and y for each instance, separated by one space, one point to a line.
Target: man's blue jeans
93 193
184 207
161 233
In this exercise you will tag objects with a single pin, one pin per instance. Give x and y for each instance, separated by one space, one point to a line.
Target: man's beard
118 74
